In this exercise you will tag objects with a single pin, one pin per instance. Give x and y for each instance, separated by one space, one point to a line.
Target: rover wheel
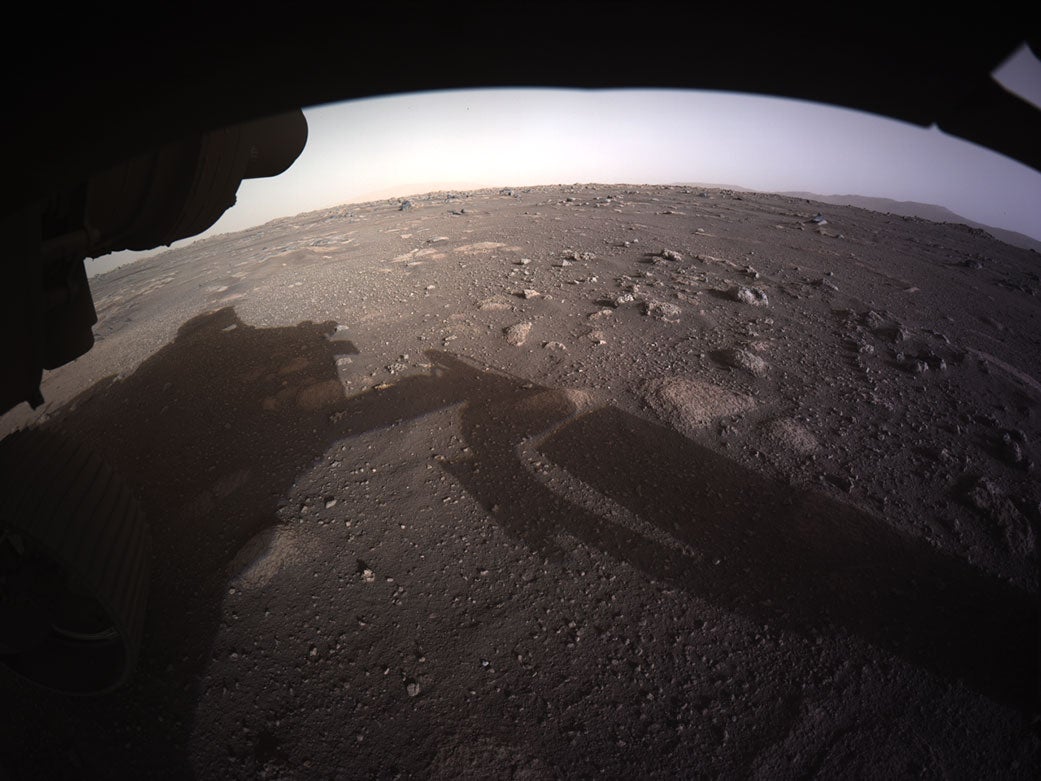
74 556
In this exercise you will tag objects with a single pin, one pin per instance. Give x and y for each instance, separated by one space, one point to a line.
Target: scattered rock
330 503
749 295
624 298
366 572
669 254
742 359
570 254
412 688
529 293
398 366
984 494
517 333
894 334
818 219
405 206
987 498
554 346
662 311
872 319
920 363
523 261
1010 447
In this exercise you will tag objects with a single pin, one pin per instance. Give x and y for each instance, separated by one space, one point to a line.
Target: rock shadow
210 433
796 559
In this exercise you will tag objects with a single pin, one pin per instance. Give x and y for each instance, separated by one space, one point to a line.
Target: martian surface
579 481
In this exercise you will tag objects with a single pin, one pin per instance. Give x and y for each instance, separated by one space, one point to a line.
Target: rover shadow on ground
215 427
210 432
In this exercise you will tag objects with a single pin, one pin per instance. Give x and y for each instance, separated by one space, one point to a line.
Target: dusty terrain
561 482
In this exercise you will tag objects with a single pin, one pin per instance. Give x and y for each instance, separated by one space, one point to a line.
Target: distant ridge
926 211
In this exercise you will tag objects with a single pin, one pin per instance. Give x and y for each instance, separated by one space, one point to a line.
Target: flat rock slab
689 405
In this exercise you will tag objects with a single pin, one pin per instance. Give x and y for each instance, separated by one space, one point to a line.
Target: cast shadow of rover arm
791 557
803 561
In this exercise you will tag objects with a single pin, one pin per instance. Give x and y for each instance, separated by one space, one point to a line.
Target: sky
400 145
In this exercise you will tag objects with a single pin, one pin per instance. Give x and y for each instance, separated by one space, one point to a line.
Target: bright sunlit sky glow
400 145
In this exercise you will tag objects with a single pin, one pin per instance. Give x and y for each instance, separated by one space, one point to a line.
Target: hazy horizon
401 145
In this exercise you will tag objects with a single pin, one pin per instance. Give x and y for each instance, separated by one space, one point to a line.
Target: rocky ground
558 482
